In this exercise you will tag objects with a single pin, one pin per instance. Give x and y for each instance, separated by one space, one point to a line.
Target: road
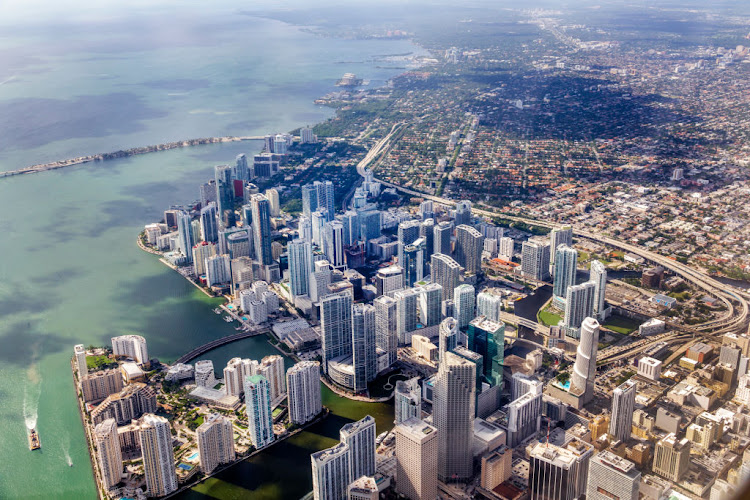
734 299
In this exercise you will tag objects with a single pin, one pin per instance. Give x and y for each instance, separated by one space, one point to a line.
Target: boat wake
32 390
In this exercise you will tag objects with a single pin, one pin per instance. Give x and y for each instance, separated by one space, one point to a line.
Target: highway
734 299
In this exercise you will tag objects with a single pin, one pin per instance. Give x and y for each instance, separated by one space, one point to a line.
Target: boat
228 319
34 443
217 310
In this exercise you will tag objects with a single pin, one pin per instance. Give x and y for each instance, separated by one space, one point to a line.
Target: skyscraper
218 270
130 346
352 229
407 399
300 266
417 454
469 244
108 452
579 304
566 264
489 305
261 210
209 223
336 326
507 248
463 302
326 197
672 457
158 455
584 369
446 272
524 415
309 200
258 410
406 309
612 477
330 472
359 437
442 238
303 384
273 200
430 303
463 212
521 384
559 472
225 194
557 237
623 405
215 442
454 401
448 336
408 232
80 353
386 327
413 262
363 346
334 243
272 368
241 170
599 277
234 379
535 259
389 279
427 233
487 337
185 234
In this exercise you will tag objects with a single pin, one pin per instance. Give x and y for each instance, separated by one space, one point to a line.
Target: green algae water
70 270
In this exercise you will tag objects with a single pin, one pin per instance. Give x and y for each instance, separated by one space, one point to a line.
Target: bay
70 270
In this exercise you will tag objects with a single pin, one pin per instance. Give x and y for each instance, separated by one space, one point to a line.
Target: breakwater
124 153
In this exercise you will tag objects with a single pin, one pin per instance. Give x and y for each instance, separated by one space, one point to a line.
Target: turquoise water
193 456
70 270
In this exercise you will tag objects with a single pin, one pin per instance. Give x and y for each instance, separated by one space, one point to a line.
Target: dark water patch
33 122
248 124
122 213
22 344
22 302
58 278
178 85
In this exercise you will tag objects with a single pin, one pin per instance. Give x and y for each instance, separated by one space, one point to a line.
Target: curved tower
584 370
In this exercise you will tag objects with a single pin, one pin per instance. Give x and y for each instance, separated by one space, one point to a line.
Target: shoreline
124 153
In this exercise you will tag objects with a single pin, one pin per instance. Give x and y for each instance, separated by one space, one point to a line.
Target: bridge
519 321
217 343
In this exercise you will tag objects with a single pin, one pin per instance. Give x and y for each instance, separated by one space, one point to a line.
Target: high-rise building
557 237
369 224
258 410
417 453
579 305
463 303
584 369
598 276
427 233
469 244
386 326
359 437
454 401
426 210
363 488
215 442
335 326
430 304
319 219
407 400
185 234
304 228
352 228
309 199
234 378
566 264
80 354
303 384
487 338
463 212
261 209
448 336
446 272
300 266
208 193
108 452
131 346
413 262
535 259
158 455
209 223
330 472
363 346
521 384
334 243
241 170
559 472
408 232
318 195
524 416
218 270
272 368
406 314
506 248
201 252
441 239
612 477
623 405
225 194
489 305
672 457
497 467
98 385
273 200
389 279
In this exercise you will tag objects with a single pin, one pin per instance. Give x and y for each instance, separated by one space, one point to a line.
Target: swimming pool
193 456
185 466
